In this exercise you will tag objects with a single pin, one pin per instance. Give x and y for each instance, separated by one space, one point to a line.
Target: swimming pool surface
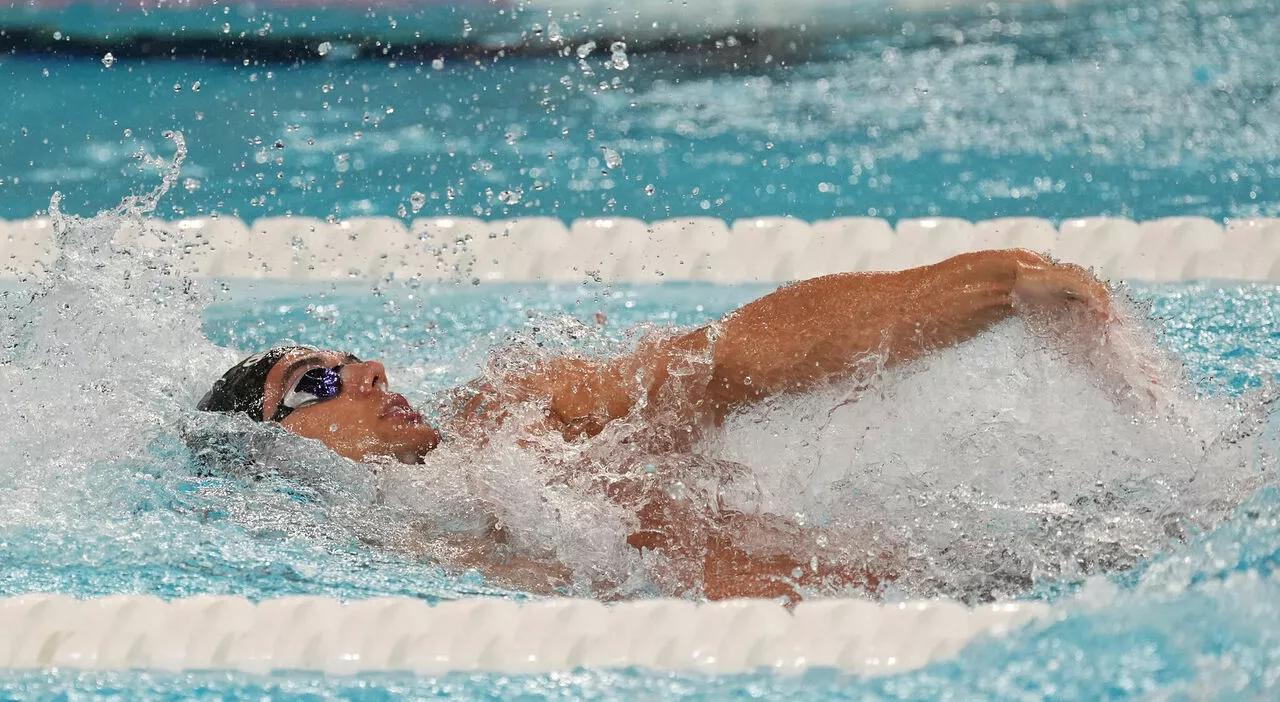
1157 538
1100 108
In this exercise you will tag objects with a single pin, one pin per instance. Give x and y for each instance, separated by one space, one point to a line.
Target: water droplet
619 58
612 159
586 49
438 64
416 201
191 184
195 87
324 48
676 490
746 380
554 33
177 87
510 197
108 60
57 36
649 190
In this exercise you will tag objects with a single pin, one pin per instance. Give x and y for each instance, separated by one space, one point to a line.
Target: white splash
980 470
103 361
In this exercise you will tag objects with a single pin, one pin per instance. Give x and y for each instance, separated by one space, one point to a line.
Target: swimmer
803 334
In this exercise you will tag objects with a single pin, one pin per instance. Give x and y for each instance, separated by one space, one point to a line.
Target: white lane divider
762 249
497 635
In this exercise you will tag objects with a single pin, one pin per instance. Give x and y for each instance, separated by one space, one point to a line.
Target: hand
1061 287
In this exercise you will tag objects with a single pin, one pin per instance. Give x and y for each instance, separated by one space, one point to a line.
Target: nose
364 377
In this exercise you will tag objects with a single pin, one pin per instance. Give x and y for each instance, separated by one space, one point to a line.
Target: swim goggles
316 385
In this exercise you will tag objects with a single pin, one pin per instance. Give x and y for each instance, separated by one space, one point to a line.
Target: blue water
1103 108
1140 111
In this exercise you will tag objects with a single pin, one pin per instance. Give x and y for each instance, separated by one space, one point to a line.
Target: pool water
1001 462
1090 109
1179 600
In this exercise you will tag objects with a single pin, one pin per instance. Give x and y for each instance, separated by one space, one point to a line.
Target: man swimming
829 328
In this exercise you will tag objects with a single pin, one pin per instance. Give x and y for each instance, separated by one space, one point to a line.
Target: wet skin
788 341
364 422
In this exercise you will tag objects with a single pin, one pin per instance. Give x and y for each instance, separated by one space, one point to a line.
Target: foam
765 249
492 635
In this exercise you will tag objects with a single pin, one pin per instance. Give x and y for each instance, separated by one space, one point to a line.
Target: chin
417 439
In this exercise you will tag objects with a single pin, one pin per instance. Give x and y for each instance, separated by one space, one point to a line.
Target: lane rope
490 634
620 250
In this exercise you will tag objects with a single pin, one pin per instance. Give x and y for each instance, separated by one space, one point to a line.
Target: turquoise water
1104 108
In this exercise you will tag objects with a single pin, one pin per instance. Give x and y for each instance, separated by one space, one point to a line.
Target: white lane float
622 250
491 634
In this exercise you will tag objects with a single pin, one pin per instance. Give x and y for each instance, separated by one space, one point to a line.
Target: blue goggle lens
316 385
322 383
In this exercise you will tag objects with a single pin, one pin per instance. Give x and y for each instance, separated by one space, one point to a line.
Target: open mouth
397 407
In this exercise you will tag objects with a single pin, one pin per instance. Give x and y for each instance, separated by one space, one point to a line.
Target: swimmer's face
364 421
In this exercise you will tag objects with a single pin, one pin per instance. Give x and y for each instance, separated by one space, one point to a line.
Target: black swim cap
242 388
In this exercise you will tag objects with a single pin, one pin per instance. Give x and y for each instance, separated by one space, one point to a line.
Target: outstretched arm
810 331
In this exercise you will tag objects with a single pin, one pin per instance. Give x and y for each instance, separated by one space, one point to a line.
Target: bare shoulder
580 396
573 396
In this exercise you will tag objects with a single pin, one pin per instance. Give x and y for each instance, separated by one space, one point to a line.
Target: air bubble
586 49
416 201
324 48
612 159
108 60
438 64
619 59
510 197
